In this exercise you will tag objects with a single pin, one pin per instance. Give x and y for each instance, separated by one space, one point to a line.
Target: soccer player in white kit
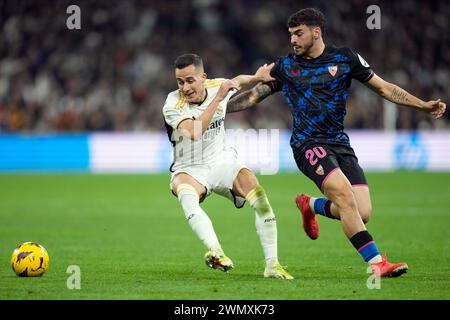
194 117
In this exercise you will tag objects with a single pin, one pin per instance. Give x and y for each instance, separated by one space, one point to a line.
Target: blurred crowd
116 71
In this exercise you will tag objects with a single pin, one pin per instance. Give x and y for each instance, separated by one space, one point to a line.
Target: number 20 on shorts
314 154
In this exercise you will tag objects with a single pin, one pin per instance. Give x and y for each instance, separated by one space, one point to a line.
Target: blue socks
363 242
322 206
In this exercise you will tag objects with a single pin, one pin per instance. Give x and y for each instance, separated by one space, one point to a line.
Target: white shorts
216 177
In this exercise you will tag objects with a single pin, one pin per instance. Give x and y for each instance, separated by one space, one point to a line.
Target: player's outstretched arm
194 129
259 76
400 96
249 98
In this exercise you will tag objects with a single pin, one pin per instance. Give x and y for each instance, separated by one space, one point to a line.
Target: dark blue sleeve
359 68
277 73
275 86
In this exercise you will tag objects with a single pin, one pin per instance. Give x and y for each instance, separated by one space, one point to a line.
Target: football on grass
30 259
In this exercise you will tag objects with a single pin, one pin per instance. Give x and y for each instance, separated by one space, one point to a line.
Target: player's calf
365 213
265 222
196 217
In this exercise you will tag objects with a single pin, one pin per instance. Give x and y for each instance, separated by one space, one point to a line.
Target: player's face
302 39
192 83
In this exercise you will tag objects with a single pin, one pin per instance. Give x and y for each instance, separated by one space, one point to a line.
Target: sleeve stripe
180 102
213 83
369 76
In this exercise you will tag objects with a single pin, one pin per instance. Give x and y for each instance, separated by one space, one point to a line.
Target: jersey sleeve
215 84
277 73
173 110
359 68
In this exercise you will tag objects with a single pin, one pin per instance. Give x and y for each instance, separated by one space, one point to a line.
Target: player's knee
245 182
248 177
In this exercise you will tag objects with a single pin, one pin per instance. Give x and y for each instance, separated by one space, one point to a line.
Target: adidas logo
270 219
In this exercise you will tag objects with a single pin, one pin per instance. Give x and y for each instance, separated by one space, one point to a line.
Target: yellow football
30 259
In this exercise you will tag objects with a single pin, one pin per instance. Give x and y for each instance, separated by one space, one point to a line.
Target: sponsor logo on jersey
363 62
216 124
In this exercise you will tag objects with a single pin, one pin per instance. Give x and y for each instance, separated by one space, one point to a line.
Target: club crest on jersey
319 170
332 70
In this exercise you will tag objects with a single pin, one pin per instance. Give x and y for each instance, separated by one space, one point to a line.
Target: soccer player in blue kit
315 81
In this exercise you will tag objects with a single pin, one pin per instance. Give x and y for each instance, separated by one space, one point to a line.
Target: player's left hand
434 107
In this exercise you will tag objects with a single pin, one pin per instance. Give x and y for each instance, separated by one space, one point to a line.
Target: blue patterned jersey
316 91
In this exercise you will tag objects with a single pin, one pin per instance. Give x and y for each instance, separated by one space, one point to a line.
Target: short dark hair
309 17
187 59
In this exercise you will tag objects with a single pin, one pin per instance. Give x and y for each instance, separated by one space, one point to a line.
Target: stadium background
113 75
90 100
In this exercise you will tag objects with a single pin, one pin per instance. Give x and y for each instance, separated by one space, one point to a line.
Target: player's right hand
434 107
225 88
263 73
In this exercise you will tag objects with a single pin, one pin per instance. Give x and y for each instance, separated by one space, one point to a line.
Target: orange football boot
310 224
387 269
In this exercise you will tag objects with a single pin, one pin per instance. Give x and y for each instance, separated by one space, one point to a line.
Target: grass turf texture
131 240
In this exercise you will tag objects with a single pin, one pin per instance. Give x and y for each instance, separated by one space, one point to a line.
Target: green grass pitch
129 237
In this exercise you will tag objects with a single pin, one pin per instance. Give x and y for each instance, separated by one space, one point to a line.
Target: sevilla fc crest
332 70
319 170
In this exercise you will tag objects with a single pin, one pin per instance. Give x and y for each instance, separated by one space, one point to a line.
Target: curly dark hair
308 16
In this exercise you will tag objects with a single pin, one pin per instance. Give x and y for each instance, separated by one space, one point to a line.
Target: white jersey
209 148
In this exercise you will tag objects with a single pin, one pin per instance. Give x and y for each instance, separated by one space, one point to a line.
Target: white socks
311 204
197 218
376 259
266 225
